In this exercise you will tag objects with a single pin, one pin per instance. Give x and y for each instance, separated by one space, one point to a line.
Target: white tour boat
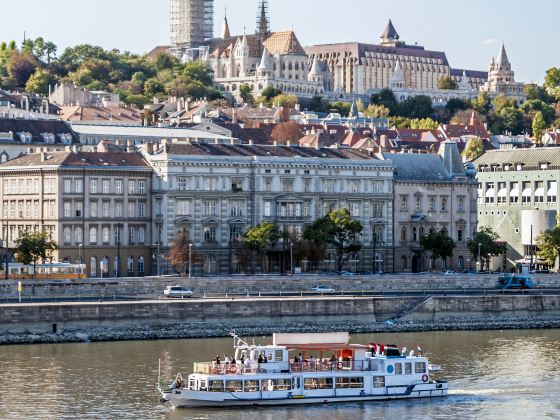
322 368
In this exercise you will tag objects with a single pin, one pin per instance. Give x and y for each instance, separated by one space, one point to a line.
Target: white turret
265 67
464 82
398 77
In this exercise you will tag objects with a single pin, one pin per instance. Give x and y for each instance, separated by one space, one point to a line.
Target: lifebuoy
232 369
425 378
339 365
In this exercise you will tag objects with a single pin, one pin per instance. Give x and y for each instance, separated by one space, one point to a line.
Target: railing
285 367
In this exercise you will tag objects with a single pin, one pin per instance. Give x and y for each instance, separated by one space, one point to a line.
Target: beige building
95 206
432 192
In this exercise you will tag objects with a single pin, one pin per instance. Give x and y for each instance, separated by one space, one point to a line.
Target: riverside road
290 294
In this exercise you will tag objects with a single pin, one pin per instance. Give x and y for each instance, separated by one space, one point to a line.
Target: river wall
254 284
107 321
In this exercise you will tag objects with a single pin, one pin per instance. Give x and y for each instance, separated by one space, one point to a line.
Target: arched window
78 235
106 235
116 268
4 157
141 235
141 265
461 263
403 234
404 263
414 234
93 235
130 265
67 235
105 266
432 204
93 267
444 204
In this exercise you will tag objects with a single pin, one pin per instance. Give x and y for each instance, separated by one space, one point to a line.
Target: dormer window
48 138
543 166
25 137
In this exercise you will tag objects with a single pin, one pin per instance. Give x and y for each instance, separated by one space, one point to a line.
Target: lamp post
190 260
479 262
374 260
292 258
6 244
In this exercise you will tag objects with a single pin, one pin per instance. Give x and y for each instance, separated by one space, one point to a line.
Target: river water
492 375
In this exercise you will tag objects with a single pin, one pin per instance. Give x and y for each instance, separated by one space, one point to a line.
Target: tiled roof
283 43
36 128
455 131
474 74
80 159
101 114
265 151
390 31
529 157
277 43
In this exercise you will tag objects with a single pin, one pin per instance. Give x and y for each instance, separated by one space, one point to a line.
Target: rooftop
79 159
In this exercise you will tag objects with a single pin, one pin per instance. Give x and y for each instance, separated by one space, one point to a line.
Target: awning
539 192
514 192
527 192
502 193
479 192
553 190
490 192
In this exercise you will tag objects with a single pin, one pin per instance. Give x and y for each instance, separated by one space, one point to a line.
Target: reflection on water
493 375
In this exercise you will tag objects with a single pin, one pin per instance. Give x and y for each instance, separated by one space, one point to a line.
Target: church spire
225 27
503 60
263 28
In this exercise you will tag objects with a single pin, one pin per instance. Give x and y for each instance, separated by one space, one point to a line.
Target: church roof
390 32
503 60
283 43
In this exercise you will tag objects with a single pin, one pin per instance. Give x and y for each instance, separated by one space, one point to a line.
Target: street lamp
479 261
6 244
190 260
374 260
292 258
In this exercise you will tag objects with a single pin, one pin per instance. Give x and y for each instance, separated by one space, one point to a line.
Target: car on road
322 289
348 273
449 273
514 282
541 272
177 292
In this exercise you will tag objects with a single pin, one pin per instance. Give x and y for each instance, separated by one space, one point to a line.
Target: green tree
20 67
199 71
245 93
489 246
165 61
548 245
419 106
537 93
262 237
32 247
269 92
439 244
482 104
39 82
340 230
287 101
385 97
552 82
501 101
512 120
539 127
473 149
318 104
447 83
377 111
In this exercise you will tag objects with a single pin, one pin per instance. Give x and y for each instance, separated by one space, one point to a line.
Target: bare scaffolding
192 22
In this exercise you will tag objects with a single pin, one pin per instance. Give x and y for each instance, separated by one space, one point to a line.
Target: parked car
449 273
322 289
348 273
177 292
541 272
514 282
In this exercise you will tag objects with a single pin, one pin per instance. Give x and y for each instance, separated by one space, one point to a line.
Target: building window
141 265
183 207
182 183
106 208
93 209
67 209
267 184
354 209
287 185
141 187
404 203
141 236
461 263
403 234
461 205
118 186
131 187
237 184
118 209
378 187
93 235
444 204
79 186
209 234
210 208
329 186
67 186
141 209
539 192
131 235
307 185
460 236
130 265
67 235
236 208
235 233
353 186
377 209
268 209
131 209
552 192
417 203
106 186
210 183
93 266
118 235
93 186
106 235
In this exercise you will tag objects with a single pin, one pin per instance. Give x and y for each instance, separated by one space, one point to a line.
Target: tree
489 246
179 252
269 92
439 244
245 93
552 82
548 245
286 132
539 93
165 61
482 103
262 237
342 108
419 106
539 127
377 111
318 104
39 82
287 101
473 149
447 83
385 97
502 101
34 246
512 120
21 67
340 230
454 105
200 71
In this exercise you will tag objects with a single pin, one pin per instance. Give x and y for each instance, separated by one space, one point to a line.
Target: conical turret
503 60
225 29
265 67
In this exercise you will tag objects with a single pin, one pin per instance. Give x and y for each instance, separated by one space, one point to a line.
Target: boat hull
189 399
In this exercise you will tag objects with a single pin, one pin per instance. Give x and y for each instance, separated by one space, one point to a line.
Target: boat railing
212 368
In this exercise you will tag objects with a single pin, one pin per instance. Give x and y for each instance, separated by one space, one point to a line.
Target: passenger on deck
226 359
260 359
233 362
296 360
217 360
333 358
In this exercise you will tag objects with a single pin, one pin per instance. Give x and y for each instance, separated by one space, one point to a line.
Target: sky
469 32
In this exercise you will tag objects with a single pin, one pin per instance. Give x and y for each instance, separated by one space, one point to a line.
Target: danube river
492 375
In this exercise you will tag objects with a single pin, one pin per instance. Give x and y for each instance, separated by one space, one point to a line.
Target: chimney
43 157
129 146
384 141
250 142
234 116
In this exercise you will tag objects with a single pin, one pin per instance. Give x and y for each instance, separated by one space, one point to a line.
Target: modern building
95 206
518 199
432 192
215 192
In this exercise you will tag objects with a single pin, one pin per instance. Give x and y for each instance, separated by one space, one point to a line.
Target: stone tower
192 22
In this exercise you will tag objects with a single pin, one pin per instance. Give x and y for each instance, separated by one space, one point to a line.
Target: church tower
225 28
263 23
390 36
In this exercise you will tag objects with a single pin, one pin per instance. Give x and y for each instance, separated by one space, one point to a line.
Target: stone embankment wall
256 284
108 321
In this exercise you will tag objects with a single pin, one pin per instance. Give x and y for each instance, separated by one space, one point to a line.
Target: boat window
269 356
408 368
311 383
283 385
420 367
376 365
325 383
251 386
357 382
278 355
398 369
203 385
379 381
216 386
343 382
192 384
234 386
